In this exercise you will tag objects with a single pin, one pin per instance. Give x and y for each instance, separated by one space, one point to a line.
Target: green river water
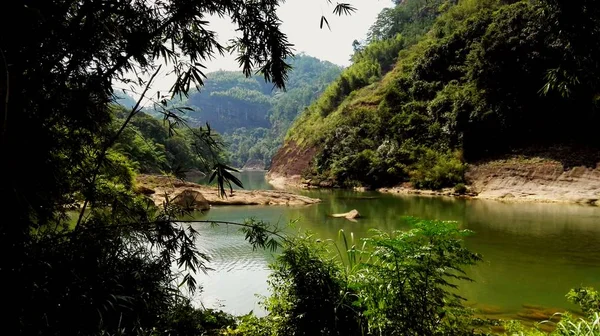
532 253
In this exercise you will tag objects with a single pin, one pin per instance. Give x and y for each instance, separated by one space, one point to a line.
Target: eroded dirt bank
157 187
556 175
288 165
535 179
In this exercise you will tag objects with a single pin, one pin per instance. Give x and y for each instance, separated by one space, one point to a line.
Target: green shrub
309 295
460 189
435 170
580 327
250 325
184 319
405 287
587 298
396 284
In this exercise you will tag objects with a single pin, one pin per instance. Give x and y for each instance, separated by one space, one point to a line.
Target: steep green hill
153 147
442 82
251 115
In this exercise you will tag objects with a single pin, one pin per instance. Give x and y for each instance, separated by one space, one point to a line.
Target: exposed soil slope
289 164
535 180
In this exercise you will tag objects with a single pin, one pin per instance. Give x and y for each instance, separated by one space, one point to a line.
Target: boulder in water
191 200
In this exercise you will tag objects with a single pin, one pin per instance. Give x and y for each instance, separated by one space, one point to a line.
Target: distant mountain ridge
253 116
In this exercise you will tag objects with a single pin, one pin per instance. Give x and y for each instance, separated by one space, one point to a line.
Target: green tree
110 271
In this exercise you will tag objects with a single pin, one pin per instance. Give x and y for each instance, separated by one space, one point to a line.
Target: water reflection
533 253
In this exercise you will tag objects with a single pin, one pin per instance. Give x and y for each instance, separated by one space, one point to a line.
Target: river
532 253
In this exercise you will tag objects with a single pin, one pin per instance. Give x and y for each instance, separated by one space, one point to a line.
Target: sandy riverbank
507 180
156 187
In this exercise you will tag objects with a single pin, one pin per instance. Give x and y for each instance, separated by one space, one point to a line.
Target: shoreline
513 180
157 187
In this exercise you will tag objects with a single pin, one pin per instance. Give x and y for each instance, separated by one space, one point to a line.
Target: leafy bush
396 284
309 294
460 189
183 319
580 327
586 298
435 170
406 285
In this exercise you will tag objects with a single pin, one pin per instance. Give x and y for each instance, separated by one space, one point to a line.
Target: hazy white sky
301 20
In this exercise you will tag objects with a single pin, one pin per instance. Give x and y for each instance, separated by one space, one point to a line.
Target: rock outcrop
165 186
190 199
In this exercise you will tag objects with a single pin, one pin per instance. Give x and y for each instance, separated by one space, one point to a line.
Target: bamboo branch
274 233
102 156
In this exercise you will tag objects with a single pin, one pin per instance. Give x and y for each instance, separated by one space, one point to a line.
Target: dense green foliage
403 283
395 284
251 114
108 268
153 146
488 77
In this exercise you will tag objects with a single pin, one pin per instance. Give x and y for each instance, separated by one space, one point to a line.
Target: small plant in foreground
394 284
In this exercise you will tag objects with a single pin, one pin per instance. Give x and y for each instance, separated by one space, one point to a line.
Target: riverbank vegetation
124 266
399 283
443 83
109 269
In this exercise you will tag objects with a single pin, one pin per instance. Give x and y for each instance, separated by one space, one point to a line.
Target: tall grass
581 327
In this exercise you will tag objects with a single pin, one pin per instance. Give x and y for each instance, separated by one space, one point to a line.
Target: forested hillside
152 146
88 252
442 83
253 116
